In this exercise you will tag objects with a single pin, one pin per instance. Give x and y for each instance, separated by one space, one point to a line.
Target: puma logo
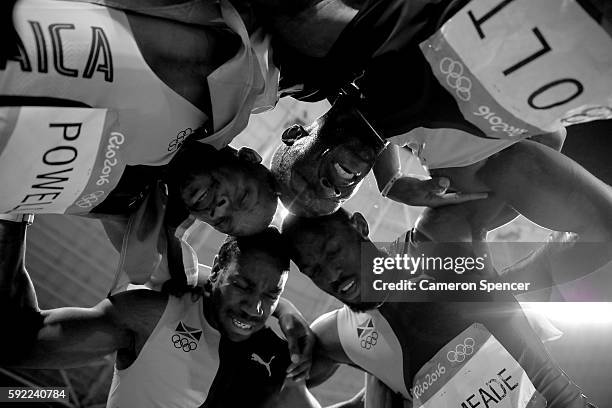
259 360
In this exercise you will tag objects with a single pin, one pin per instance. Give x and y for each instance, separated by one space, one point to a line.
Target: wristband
391 182
27 218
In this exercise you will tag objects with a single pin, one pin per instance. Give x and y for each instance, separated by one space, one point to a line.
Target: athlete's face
329 253
234 197
321 166
246 293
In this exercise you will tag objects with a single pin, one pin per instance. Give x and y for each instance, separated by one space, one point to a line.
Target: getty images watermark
430 272
422 265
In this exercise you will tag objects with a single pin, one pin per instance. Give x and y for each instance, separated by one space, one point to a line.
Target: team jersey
442 148
501 71
455 354
95 106
186 363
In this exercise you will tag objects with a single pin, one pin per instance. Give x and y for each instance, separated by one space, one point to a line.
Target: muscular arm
15 286
72 337
294 395
554 192
543 268
328 352
65 337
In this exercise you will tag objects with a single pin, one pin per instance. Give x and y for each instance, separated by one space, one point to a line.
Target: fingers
294 347
301 344
436 185
300 351
300 371
457 198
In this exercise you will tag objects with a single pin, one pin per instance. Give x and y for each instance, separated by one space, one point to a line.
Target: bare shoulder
326 326
326 329
139 310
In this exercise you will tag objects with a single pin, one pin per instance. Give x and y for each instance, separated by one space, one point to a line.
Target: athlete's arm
554 192
554 140
358 401
299 336
72 337
328 352
15 286
296 395
411 190
115 228
538 268
19 311
293 395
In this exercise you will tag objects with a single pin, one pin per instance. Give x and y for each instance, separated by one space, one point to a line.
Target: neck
313 30
209 311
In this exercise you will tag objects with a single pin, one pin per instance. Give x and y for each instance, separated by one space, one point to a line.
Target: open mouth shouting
344 174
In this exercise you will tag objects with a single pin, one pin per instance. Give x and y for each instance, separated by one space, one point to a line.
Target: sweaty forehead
263 274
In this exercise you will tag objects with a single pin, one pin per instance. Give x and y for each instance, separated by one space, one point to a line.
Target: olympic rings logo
90 199
455 79
177 142
461 351
184 343
369 341
589 114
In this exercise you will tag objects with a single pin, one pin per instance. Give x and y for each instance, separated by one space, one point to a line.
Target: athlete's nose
253 308
221 208
328 188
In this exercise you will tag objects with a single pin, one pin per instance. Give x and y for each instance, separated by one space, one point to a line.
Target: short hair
296 224
268 241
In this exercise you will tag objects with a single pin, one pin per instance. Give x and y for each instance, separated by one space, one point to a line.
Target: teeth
241 325
349 285
342 172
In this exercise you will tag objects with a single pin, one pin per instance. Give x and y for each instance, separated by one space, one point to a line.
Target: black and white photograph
306 203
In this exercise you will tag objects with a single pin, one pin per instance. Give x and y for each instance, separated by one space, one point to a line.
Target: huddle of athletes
123 110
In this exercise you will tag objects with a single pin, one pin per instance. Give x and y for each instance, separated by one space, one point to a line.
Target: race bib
472 370
523 67
57 160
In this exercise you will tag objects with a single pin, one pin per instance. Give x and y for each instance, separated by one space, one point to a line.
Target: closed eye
244 198
273 296
240 285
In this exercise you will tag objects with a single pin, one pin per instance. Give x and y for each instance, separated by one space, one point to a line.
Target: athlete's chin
361 307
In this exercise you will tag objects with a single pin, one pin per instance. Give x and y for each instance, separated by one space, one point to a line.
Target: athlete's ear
216 268
249 155
360 224
293 133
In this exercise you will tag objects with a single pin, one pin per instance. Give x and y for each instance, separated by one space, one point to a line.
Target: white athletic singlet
177 364
87 53
70 158
439 355
186 363
442 148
